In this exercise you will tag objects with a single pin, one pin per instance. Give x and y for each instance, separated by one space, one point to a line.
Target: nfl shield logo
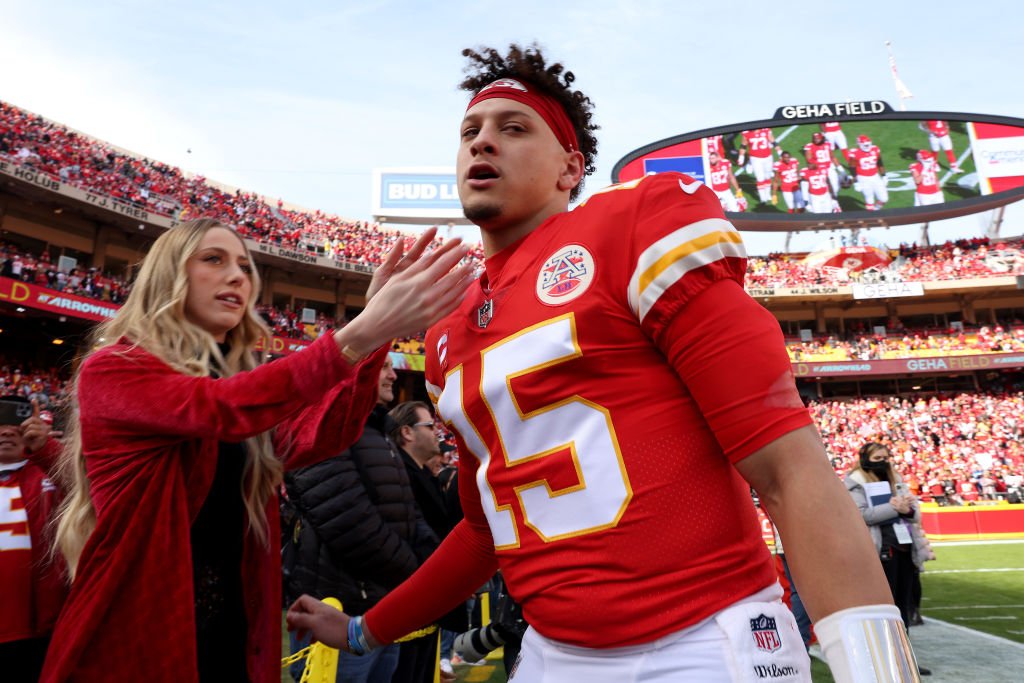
766 636
484 313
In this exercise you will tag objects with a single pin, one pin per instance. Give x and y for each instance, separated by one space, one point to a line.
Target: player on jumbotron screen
817 188
869 171
722 180
756 150
939 139
834 134
925 172
819 152
787 179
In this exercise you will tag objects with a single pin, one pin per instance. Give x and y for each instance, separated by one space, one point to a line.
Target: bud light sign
416 195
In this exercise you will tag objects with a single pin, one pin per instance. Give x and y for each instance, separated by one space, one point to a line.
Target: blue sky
302 102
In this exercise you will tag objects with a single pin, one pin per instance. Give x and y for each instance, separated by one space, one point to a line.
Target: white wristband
867 644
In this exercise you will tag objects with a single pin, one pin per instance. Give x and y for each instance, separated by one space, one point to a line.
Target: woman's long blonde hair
153 318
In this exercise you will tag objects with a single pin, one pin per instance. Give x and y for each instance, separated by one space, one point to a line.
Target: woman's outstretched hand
409 292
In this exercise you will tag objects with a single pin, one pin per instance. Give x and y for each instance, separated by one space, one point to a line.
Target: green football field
974 586
899 142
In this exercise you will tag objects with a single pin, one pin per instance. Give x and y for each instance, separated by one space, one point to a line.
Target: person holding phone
173 465
891 513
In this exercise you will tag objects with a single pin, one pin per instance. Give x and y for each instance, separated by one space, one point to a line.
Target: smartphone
902 489
14 412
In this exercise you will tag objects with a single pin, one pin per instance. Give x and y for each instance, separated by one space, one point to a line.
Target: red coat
150 436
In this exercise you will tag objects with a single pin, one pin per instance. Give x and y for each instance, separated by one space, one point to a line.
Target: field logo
565 275
766 635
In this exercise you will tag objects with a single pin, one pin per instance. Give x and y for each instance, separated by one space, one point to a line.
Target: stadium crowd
962 259
40 270
92 165
953 449
48 386
910 343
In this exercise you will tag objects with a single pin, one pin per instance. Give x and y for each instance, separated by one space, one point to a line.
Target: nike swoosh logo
690 187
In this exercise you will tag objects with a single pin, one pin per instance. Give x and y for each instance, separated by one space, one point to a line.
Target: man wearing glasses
353 531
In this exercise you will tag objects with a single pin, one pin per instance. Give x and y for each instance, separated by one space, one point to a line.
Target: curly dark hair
487 65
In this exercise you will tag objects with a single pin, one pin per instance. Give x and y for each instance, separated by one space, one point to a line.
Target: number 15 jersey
596 451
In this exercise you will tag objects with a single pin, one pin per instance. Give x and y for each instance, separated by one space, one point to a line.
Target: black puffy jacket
351 528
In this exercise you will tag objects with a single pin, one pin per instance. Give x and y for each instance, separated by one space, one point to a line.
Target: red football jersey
817 179
15 562
819 154
759 142
831 126
938 128
929 177
719 175
865 163
610 496
789 174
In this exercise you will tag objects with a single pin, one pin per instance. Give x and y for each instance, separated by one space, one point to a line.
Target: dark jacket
356 530
427 490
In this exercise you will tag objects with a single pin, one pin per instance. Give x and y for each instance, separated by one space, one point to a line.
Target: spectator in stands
31 578
174 464
359 534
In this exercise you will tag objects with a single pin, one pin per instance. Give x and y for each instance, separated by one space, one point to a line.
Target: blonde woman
170 529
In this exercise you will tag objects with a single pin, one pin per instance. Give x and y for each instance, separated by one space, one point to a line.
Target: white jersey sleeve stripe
669 259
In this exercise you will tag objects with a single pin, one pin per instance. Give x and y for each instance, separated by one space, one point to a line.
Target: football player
817 190
834 134
925 172
938 138
819 152
723 182
615 394
756 148
787 179
869 170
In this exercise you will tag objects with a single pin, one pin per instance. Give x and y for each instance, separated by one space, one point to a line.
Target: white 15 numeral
571 423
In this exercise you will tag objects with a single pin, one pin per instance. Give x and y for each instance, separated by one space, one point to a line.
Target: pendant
484 313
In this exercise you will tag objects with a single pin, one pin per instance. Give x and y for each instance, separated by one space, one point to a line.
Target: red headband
545 105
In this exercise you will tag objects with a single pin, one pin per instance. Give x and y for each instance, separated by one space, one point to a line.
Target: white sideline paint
943 544
974 607
974 571
957 654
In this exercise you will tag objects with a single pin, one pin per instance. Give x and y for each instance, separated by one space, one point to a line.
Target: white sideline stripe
1001 616
992 542
974 571
974 607
979 634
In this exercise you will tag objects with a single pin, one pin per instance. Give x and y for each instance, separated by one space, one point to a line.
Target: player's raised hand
34 430
326 624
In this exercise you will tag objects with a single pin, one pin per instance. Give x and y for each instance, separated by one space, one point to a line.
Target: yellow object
321 661
739 194
775 199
